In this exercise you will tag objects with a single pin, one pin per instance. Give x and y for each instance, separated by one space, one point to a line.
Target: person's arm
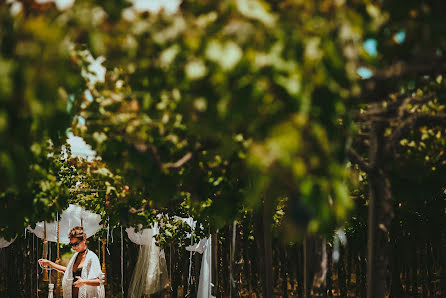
45 262
92 282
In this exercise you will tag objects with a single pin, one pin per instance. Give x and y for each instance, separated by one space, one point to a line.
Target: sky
79 148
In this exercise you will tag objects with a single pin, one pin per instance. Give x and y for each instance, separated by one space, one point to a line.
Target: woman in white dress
83 277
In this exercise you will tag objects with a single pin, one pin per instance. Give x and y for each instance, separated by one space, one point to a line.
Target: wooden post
306 268
215 264
267 244
380 215
45 247
58 279
231 257
104 241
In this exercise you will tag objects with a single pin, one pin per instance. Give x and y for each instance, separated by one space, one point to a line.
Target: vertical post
50 290
45 247
37 268
371 246
215 263
104 241
33 258
380 215
122 263
267 243
58 279
230 264
231 261
306 269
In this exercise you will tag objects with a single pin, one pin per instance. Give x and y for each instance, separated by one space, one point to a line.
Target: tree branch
357 159
155 154
412 122
400 69
178 163
142 209
408 100
383 82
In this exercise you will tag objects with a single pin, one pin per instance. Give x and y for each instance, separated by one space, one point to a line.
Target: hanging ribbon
191 223
108 234
190 266
205 283
234 236
108 230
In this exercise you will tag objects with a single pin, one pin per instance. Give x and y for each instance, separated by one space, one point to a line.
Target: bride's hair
77 232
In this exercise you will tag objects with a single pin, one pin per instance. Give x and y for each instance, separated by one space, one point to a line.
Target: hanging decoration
44 255
71 217
150 275
5 243
204 246
205 284
104 241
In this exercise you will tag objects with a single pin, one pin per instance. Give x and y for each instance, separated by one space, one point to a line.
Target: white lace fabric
150 275
204 246
5 243
71 217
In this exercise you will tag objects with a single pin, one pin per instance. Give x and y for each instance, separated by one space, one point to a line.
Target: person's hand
79 282
44 262
102 278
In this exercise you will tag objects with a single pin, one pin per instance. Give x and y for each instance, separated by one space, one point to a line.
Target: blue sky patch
364 72
371 47
399 37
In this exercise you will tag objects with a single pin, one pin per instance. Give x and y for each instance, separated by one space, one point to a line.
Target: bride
83 276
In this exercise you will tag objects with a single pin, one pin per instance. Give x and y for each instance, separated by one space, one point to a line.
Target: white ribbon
205 284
